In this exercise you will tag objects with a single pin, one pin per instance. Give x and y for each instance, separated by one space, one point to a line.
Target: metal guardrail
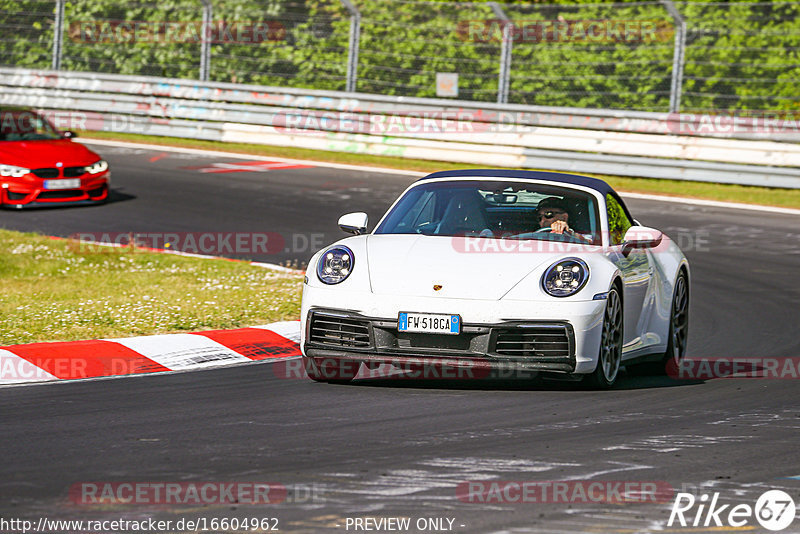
614 142
217 92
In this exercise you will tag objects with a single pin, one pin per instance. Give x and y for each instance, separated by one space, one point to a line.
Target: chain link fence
618 55
636 55
125 38
26 33
742 55
295 44
404 44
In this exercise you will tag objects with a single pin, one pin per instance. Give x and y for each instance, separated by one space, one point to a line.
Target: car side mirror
641 237
68 134
354 223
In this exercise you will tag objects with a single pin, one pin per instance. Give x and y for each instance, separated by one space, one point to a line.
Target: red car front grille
74 172
46 172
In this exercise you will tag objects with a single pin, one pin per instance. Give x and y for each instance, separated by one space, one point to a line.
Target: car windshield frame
491 208
26 125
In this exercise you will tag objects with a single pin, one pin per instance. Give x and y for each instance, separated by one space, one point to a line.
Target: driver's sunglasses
550 214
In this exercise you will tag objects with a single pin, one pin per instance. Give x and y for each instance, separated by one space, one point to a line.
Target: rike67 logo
774 510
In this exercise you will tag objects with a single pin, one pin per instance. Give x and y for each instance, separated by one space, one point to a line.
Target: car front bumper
558 336
31 193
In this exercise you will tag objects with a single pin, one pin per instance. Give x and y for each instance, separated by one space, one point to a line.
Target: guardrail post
58 35
205 49
352 49
505 53
678 56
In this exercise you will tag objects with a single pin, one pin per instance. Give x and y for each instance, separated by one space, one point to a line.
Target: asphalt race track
378 449
154 191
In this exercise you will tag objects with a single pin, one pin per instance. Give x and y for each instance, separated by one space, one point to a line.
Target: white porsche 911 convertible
538 272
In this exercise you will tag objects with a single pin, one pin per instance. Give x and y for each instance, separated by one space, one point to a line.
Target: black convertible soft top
564 178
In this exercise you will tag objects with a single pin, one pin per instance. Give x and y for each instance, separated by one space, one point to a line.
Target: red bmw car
42 166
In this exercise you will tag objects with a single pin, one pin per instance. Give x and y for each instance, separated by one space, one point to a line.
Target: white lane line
16 370
183 351
223 154
712 203
417 174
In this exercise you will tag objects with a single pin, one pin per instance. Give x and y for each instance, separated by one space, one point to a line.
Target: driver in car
552 212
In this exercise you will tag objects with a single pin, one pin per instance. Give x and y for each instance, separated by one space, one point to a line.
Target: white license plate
70 183
429 323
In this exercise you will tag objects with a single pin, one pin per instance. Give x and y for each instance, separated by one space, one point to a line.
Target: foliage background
740 55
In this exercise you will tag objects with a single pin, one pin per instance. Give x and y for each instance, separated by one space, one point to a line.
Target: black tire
677 335
330 370
609 359
678 328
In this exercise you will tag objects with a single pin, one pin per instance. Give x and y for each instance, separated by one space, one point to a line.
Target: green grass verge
787 198
51 290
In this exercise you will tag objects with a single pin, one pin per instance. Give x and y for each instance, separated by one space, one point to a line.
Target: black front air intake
64 193
339 331
539 342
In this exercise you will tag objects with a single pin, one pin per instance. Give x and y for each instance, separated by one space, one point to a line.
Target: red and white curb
97 358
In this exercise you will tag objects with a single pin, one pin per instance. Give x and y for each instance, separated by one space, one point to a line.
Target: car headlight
335 265
97 167
565 277
13 171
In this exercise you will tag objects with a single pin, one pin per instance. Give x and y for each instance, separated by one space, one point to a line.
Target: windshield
494 209
25 125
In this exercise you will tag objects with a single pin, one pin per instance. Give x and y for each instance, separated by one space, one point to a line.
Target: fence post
505 53
352 49
58 35
678 57
205 49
